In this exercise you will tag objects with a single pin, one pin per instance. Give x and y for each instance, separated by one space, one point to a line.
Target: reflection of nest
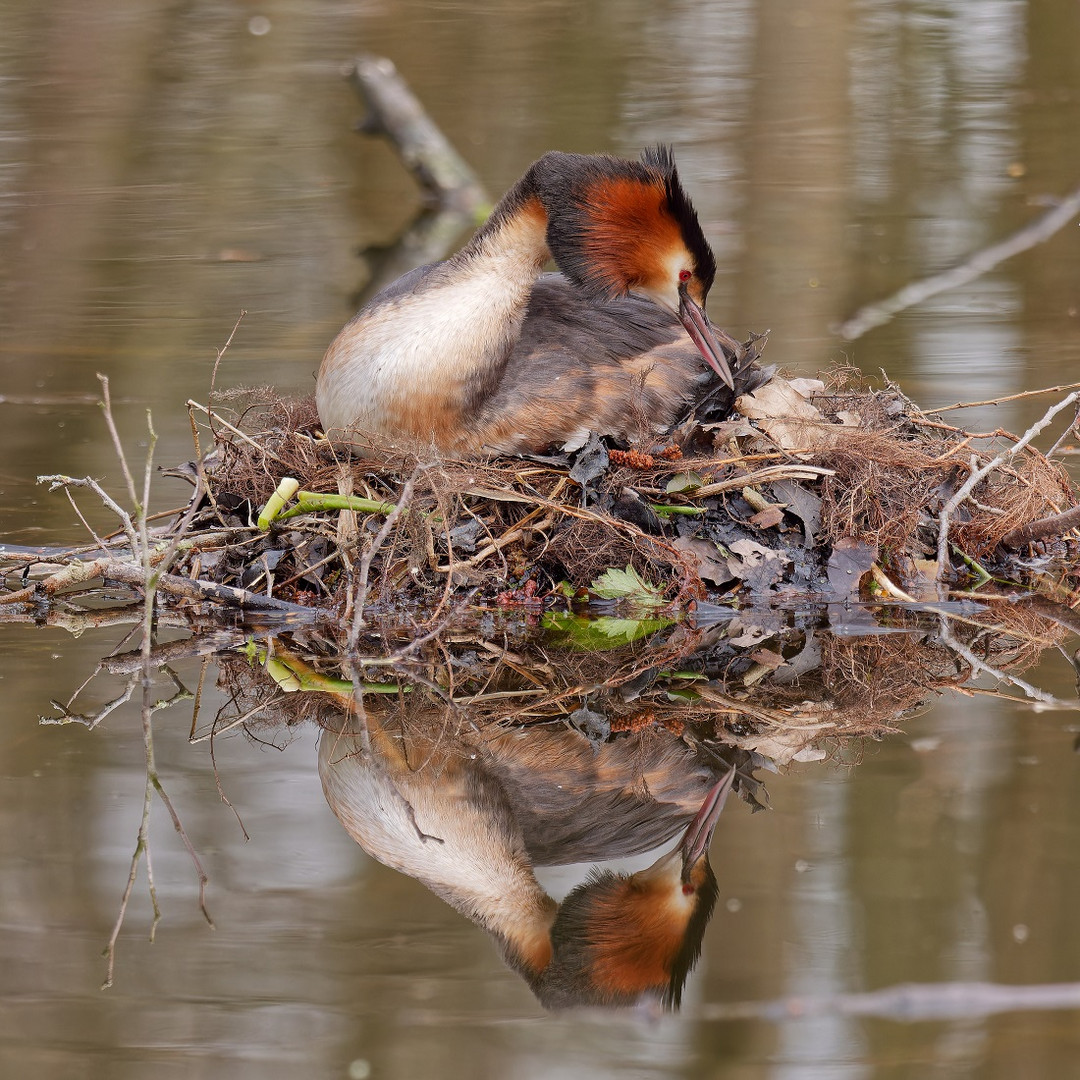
774 690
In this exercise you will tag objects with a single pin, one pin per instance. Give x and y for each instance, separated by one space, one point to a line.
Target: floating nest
806 489
681 587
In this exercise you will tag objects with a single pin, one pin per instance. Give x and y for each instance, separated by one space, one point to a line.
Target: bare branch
978 475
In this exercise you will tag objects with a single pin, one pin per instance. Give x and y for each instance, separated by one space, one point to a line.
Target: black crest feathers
662 159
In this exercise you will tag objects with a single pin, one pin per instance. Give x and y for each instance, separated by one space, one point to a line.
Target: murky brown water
162 168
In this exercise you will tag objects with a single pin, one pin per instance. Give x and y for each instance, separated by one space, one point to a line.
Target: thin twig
235 430
217 363
1001 400
360 600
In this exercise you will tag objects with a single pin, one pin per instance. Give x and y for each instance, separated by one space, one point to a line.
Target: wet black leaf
804 504
590 463
631 691
850 559
630 506
596 727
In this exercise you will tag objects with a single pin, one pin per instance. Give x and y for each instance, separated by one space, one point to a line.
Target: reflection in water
471 818
465 779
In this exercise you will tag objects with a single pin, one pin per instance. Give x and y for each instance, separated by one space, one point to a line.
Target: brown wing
620 367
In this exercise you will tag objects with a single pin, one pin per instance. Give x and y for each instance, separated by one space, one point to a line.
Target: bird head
617 226
620 939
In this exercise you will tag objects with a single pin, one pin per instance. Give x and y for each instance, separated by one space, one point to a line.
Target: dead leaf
751 552
809 388
591 461
779 745
684 481
706 559
784 412
735 428
768 518
767 658
765 662
756 565
744 635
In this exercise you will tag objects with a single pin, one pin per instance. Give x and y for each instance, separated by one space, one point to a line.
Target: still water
164 167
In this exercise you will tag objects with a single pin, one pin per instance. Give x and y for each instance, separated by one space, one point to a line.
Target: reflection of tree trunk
1051 309
796 208
456 198
395 112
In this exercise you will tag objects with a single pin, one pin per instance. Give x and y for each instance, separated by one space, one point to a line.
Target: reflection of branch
980 667
394 111
204 643
1042 228
455 195
142 840
92 719
909 1002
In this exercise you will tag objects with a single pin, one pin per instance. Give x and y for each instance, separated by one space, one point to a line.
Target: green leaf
683 695
627 585
584 634
667 510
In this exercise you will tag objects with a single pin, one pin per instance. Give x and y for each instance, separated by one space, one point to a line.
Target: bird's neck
492 278
430 359
447 825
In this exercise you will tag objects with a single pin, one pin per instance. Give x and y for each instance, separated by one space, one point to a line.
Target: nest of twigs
755 506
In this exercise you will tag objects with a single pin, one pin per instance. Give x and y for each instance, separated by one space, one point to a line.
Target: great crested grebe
456 819
484 354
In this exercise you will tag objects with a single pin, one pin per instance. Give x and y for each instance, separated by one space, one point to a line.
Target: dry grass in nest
1030 489
490 524
584 549
882 488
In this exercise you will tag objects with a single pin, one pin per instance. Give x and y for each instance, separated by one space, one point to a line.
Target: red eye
685 275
